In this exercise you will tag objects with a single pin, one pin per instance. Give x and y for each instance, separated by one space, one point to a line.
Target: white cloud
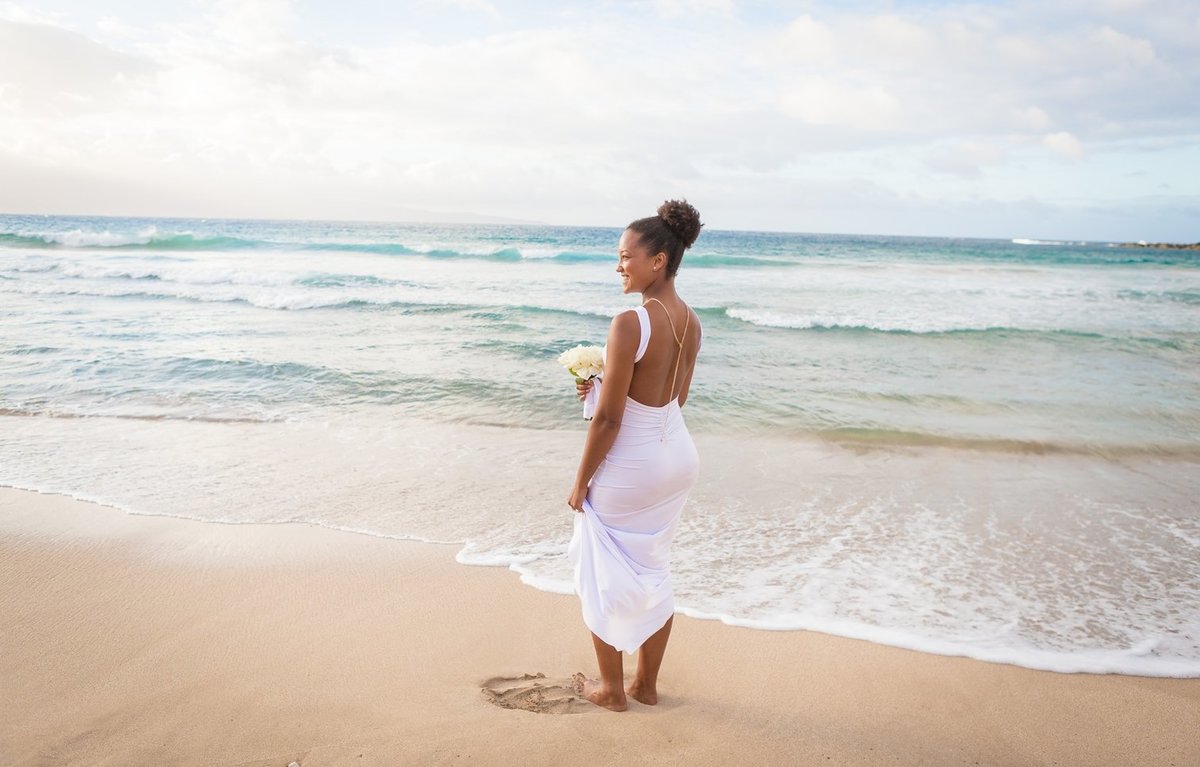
965 158
1031 118
855 106
26 15
675 8
559 118
251 23
1131 51
807 39
49 70
472 6
1064 144
890 35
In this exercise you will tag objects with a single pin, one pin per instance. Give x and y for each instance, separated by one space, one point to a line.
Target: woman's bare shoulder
625 327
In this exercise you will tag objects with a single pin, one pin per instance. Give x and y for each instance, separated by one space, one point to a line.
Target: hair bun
682 218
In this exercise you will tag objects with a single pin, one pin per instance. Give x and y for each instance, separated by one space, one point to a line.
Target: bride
638 463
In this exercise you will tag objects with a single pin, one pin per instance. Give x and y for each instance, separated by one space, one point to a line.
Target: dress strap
643 321
678 339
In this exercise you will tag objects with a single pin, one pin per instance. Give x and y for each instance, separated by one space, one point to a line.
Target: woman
638 463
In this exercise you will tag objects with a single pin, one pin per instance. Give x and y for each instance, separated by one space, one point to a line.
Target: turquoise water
948 406
1058 347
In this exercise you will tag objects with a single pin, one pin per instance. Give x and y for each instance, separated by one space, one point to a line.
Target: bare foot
642 693
595 691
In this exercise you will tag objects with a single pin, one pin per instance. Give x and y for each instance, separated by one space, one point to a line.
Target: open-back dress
621 545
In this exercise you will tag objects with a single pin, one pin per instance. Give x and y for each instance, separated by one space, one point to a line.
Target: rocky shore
1160 245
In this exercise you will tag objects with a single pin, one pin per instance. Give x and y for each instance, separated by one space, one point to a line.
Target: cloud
1031 118
1064 144
27 15
807 39
675 8
969 68
825 101
966 159
560 116
47 69
473 6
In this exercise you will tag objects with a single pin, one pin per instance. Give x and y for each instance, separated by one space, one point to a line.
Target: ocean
987 448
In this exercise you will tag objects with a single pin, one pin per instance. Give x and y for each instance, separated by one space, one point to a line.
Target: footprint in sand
537 693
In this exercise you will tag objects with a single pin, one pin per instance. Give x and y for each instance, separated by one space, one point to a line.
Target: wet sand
128 640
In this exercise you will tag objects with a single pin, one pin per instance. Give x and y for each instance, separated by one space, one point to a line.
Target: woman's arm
623 336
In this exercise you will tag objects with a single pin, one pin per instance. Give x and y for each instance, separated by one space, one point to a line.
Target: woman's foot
595 691
642 693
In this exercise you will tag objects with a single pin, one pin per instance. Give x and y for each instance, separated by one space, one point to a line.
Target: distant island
1160 245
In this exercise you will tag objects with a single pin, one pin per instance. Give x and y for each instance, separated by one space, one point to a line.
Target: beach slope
129 640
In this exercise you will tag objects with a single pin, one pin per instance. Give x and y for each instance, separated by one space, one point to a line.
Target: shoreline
1161 245
143 639
463 552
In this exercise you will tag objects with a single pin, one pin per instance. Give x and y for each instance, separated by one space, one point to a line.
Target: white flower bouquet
585 363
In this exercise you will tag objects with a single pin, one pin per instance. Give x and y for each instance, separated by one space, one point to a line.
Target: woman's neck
661 290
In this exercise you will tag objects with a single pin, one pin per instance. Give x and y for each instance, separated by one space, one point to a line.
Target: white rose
583 361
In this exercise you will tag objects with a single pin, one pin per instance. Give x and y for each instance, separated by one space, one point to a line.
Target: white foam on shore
1057 562
1142 659
1136 661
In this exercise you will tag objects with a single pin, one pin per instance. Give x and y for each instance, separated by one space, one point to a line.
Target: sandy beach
131 640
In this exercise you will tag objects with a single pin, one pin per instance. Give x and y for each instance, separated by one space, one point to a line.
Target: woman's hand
583 386
575 499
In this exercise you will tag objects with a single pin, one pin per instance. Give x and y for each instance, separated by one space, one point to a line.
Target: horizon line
504 221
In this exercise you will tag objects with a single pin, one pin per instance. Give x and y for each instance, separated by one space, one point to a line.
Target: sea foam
971 447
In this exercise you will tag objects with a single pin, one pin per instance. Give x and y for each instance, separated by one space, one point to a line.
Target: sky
1056 119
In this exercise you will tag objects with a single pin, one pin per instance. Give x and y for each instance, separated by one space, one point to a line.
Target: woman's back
651 383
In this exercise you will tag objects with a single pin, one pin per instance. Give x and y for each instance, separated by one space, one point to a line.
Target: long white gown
621 545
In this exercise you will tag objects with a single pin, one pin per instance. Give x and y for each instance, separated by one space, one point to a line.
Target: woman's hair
672 231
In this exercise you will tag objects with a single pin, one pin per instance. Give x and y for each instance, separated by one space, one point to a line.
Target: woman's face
638 268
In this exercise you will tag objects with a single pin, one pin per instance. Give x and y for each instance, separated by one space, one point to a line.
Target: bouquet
585 363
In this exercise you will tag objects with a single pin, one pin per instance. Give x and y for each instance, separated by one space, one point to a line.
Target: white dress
621 545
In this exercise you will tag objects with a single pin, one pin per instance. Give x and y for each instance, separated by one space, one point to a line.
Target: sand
131 640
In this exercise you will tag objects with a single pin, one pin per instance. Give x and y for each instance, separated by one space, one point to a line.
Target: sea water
973 447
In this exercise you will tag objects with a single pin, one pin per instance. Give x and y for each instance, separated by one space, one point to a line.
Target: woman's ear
660 260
